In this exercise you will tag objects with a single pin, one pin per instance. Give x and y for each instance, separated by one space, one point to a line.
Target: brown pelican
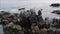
55 5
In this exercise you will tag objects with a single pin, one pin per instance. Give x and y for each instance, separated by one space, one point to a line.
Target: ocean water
13 6
1 29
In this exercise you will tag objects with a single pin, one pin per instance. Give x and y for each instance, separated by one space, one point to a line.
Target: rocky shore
28 22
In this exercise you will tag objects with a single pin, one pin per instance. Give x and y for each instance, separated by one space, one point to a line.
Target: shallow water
1 29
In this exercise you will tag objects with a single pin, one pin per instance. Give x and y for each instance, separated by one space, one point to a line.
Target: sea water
13 6
1 29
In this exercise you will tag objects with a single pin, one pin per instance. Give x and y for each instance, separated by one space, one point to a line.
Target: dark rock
55 5
39 12
56 11
21 9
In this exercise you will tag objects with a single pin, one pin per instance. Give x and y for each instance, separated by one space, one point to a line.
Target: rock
55 5
21 9
56 11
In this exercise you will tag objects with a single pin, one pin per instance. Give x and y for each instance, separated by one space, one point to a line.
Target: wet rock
55 5
56 11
